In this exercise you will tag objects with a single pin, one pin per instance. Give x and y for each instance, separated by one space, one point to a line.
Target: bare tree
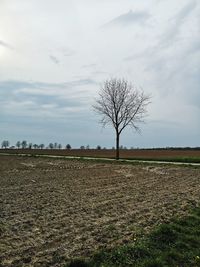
51 145
121 105
30 145
55 145
59 146
41 146
68 146
5 144
24 144
18 144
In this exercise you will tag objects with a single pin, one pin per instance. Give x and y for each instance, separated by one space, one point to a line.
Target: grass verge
176 244
169 159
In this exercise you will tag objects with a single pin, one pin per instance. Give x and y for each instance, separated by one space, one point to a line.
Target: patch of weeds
78 263
121 256
138 231
164 236
173 244
172 257
197 260
182 246
153 263
191 221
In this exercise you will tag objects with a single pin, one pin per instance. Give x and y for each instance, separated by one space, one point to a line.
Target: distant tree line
5 144
171 148
26 145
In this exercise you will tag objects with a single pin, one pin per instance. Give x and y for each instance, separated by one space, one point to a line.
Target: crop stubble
53 210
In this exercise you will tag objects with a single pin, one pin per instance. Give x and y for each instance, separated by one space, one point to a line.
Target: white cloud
6 45
54 59
129 19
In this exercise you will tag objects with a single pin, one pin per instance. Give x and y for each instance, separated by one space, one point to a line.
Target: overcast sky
54 54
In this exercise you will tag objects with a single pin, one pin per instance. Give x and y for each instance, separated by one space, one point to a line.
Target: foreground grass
175 244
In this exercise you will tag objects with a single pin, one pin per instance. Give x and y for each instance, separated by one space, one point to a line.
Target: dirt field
127 153
53 210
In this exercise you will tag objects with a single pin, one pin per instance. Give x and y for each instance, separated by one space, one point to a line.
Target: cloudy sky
54 54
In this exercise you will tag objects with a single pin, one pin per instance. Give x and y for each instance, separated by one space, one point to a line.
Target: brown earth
53 209
125 153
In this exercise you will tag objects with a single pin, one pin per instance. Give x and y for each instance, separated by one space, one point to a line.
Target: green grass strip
176 244
169 159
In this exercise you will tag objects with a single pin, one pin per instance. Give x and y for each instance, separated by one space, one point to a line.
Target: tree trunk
117 145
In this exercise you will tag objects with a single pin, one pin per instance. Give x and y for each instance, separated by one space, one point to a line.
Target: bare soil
53 210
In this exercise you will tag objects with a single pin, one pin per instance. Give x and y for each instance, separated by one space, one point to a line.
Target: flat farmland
190 155
53 210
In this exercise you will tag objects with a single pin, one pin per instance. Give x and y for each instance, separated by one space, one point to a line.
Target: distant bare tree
51 145
18 144
5 144
59 146
24 144
121 105
41 146
30 145
35 146
68 146
55 145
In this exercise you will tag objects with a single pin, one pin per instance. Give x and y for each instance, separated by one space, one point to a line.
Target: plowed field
109 153
53 210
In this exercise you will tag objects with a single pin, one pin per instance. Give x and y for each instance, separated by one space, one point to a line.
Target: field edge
171 244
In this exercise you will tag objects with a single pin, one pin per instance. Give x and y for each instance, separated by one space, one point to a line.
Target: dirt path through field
54 209
164 162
